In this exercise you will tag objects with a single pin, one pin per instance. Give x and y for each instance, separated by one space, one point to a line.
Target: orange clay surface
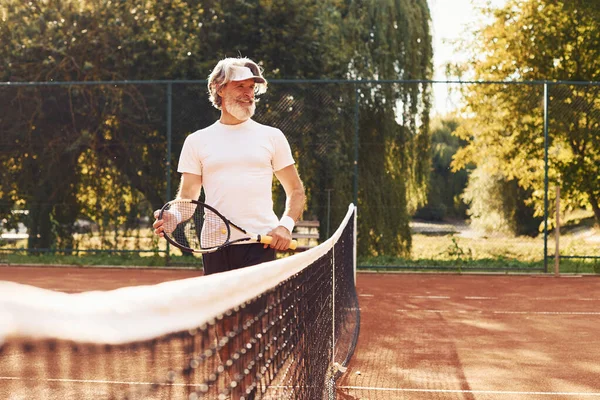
436 336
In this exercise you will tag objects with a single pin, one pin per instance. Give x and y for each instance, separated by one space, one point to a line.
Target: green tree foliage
359 40
536 40
56 127
496 206
104 146
392 41
445 187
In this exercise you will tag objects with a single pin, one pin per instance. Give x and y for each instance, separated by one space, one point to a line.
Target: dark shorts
235 257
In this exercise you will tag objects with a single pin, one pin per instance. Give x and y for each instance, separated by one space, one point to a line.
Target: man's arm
294 191
189 188
294 205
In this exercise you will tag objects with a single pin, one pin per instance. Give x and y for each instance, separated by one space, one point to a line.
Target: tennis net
280 330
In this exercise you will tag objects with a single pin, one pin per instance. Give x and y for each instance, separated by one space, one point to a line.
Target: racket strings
215 232
200 228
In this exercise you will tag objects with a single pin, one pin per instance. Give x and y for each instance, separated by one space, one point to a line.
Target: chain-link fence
86 163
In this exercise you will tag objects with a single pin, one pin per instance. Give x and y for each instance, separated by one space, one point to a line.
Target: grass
451 252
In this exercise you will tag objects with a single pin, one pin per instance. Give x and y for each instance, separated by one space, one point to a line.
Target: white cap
243 73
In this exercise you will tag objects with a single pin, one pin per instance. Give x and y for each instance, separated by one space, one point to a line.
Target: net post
332 372
355 245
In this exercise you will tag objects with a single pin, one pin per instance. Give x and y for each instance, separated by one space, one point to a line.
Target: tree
530 40
66 140
392 41
108 141
445 187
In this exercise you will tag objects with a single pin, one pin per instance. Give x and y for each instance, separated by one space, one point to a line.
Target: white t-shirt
237 164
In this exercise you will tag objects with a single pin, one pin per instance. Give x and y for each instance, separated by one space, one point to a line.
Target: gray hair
221 75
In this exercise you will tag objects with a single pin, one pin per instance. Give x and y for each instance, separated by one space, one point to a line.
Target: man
234 160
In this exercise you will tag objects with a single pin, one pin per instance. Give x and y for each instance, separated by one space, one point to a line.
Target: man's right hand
168 223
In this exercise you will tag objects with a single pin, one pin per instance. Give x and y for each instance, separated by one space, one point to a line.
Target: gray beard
239 111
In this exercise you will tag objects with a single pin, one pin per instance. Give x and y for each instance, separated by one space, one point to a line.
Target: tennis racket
196 227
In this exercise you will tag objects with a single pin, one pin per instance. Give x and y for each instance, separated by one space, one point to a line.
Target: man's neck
228 119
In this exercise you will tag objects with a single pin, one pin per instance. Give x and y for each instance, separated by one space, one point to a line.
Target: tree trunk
40 227
595 207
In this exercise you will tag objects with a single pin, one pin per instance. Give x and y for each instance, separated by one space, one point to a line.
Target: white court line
500 392
502 298
557 298
428 311
503 312
550 312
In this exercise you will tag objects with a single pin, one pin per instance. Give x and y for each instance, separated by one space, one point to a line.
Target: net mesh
285 342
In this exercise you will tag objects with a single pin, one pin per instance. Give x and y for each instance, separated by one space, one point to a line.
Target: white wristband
287 222
176 214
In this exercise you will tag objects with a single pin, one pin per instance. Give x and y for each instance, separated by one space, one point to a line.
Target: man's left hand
281 238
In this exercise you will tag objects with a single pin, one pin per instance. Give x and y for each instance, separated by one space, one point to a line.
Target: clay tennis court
435 336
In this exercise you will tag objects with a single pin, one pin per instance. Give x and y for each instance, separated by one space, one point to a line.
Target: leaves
531 40
102 143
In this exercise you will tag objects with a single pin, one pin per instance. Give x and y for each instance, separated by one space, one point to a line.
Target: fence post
545 177
557 234
169 144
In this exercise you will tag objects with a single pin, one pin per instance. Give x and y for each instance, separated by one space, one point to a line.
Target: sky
449 19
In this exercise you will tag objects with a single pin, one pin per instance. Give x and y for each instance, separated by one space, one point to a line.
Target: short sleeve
189 160
282 156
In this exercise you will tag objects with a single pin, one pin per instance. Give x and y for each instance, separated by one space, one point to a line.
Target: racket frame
251 237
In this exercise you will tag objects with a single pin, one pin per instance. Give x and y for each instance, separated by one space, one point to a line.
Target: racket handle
264 239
